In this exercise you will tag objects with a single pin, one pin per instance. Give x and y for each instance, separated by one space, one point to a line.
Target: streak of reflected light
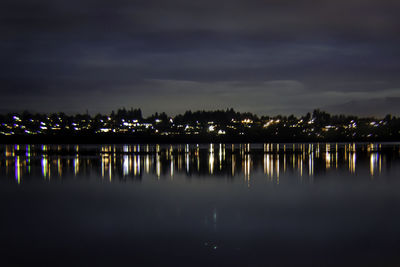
125 165
172 167
158 166
17 170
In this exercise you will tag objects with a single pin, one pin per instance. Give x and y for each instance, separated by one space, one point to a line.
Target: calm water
200 205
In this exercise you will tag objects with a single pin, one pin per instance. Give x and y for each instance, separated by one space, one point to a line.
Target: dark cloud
260 55
369 107
353 18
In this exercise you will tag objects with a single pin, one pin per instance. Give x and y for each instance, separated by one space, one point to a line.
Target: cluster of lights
17 125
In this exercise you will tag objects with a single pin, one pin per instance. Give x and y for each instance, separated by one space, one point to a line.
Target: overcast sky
263 56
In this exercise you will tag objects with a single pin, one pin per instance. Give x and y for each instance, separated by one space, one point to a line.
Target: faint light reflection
102 166
172 167
158 166
277 169
233 160
28 157
247 166
215 218
147 162
187 162
59 167
311 164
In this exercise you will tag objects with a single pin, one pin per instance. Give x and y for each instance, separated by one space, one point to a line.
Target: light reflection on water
239 161
200 205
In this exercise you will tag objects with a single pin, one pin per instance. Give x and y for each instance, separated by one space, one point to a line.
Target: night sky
268 57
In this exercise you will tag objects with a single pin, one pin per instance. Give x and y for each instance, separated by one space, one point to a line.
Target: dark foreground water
207 205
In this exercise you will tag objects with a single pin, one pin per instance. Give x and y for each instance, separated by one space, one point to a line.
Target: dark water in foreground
207 205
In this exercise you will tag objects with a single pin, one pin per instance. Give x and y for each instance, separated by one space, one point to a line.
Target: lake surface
200 205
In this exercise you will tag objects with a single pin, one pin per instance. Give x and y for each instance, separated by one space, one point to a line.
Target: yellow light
233 160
